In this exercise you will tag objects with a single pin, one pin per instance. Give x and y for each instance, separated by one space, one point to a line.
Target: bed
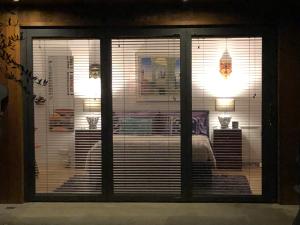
150 142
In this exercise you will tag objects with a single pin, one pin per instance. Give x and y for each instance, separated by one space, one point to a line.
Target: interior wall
49 57
245 82
50 62
243 85
11 156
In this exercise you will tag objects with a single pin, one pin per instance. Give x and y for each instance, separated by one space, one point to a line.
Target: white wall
243 84
55 144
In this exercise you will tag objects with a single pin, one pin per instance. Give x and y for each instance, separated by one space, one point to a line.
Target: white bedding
158 144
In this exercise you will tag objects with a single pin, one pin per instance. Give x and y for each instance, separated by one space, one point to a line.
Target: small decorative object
40 100
94 71
226 63
93 106
235 124
225 105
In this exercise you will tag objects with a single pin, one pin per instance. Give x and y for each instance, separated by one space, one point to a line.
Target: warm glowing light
209 77
225 105
236 83
92 105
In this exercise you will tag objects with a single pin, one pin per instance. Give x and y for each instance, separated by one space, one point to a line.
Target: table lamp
92 105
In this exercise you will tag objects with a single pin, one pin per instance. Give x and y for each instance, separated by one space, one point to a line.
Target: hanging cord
203 75
249 102
47 115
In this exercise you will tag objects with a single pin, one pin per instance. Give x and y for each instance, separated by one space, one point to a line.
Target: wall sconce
94 59
225 105
92 105
94 71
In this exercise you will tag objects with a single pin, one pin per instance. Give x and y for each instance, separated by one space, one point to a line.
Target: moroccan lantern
225 64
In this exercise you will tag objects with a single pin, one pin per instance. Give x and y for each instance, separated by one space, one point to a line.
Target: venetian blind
237 150
67 147
146 116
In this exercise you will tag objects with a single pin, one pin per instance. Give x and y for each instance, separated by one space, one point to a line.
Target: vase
224 121
92 122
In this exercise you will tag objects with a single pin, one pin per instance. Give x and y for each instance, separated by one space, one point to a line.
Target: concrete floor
146 214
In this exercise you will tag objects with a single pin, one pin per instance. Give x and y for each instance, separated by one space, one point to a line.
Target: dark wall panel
289 109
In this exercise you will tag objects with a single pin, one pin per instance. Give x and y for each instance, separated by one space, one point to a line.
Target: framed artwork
62 120
70 75
63 67
158 78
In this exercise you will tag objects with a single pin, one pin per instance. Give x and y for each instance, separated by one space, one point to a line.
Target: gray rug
219 185
223 185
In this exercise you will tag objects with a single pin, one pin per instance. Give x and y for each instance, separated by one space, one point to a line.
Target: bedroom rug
78 184
224 185
220 185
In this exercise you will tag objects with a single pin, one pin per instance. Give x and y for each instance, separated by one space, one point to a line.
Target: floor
146 214
51 178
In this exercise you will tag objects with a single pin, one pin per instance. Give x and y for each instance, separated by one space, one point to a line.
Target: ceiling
250 5
117 1
44 2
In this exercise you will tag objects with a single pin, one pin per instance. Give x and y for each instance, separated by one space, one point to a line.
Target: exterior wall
11 142
11 149
289 109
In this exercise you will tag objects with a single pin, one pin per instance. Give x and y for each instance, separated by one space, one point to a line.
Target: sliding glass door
227 84
146 116
177 116
67 117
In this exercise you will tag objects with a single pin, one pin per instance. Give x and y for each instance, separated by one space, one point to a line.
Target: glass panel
227 84
67 146
146 116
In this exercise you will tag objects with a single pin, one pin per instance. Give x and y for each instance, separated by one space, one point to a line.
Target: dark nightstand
84 141
227 147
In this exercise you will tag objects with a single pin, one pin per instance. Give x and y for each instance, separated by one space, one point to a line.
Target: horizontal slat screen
146 116
67 149
226 81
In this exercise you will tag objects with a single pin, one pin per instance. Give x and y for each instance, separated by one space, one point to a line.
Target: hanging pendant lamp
94 58
226 64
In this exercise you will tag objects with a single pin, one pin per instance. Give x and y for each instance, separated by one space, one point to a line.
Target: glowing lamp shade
92 105
225 105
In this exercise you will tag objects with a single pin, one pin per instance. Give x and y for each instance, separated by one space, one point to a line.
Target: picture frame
62 120
158 78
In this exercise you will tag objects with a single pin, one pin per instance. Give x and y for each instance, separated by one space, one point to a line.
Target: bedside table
84 141
227 147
